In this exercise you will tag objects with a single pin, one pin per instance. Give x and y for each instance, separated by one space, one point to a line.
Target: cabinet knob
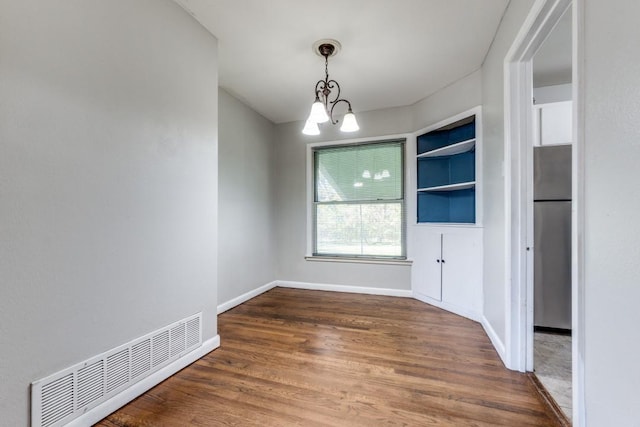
438 260
443 261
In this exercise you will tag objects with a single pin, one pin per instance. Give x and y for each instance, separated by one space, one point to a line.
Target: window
358 202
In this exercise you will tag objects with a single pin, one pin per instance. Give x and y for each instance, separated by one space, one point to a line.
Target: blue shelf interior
457 206
454 206
445 170
442 138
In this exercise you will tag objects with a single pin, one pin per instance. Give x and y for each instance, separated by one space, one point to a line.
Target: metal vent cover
141 358
59 398
193 332
90 383
118 369
178 337
160 348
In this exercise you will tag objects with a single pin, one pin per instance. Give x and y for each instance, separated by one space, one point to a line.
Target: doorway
521 130
552 110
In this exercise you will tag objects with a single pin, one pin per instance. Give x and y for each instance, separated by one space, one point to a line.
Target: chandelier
327 93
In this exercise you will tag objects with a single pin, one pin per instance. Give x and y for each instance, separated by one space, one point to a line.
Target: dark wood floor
309 358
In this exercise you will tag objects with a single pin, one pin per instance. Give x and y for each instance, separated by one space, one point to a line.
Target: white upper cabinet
552 123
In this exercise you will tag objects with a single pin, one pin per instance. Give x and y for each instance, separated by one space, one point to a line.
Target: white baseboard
495 340
345 288
460 311
245 297
99 412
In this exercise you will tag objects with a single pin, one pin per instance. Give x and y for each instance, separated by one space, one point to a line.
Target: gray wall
493 139
108 181
291 193
460 96
247 256
611 234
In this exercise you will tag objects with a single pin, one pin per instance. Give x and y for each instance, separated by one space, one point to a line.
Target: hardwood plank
311 358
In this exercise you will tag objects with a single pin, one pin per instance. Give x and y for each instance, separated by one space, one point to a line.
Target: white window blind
359 200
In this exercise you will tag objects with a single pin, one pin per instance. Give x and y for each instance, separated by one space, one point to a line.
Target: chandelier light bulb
318 112
311 128
349 123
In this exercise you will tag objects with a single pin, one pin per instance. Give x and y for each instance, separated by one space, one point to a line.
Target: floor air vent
160 348
65 395
57 400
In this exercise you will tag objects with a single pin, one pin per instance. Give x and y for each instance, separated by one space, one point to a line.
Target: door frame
518 173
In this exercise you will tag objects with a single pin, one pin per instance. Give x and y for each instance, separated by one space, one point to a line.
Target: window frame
311 220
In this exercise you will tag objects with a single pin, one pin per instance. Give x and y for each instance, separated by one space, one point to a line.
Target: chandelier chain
326 68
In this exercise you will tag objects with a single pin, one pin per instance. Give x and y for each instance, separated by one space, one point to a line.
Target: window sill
320 258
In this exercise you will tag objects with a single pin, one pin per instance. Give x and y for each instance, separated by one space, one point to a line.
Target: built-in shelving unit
446 173
446 238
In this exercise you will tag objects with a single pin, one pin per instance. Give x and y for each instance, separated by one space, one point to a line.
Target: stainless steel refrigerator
552 237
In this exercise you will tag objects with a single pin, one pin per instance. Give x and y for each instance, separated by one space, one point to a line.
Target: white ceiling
394 53
552 62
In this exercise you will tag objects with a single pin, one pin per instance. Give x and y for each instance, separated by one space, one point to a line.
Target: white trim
362 140
245 297
439 225
578 220
99 412
452 308
518 160
495 339
309 197
324 258
405 293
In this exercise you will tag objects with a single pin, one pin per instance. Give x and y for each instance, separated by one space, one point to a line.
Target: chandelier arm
336 102
334 84
321 92
320 86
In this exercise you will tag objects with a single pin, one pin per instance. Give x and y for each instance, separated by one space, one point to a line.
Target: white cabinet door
462 269
553 123
447 268
426 271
